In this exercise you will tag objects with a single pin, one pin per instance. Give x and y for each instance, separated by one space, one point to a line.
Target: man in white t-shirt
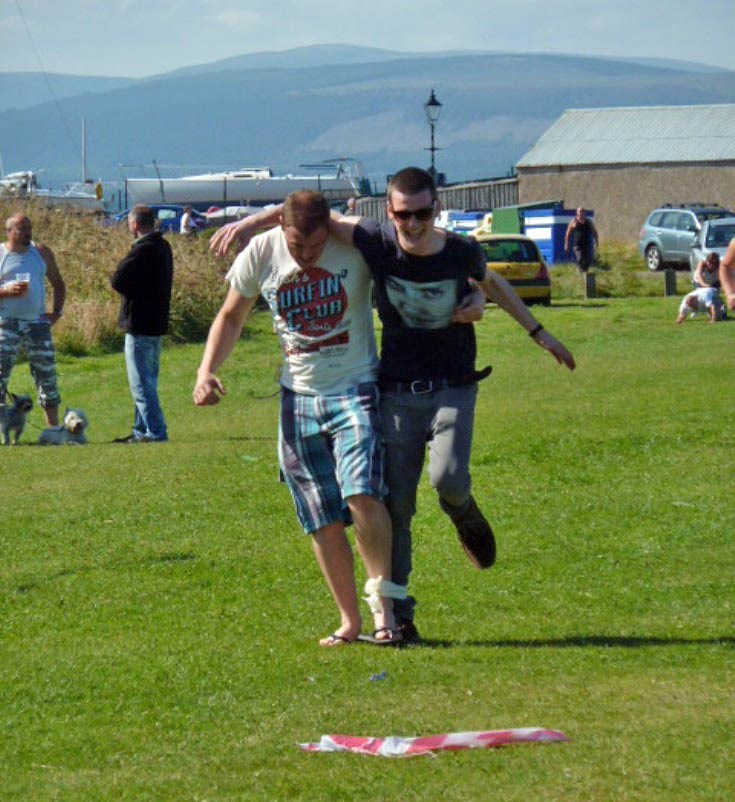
187 226
329 445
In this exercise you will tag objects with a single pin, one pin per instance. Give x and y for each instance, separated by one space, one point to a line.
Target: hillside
21 90
321 105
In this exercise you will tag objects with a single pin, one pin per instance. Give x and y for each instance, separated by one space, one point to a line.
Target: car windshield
720 236
713 215
510 250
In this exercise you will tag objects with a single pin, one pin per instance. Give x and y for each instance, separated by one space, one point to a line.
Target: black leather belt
423 386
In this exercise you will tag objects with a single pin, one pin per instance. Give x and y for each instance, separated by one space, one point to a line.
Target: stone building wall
623 196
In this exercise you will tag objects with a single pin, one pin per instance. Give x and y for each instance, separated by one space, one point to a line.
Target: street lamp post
432 107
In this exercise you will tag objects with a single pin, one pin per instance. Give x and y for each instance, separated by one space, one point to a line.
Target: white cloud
496 129
379 132
10 26
243 21
391 132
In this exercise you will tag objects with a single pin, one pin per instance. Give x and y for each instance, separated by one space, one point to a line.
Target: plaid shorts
35 337
330 448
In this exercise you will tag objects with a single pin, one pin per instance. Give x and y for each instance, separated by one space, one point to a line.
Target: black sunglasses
423 214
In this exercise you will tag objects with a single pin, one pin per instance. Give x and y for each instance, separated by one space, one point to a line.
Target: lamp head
432 107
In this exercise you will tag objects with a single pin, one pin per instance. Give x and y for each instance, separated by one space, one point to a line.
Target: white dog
70 432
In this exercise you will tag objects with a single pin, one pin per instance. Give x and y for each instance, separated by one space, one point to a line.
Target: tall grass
87 251
619 272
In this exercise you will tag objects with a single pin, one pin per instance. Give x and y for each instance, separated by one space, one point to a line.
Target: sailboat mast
84 150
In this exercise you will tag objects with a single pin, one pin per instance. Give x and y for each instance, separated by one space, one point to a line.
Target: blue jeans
143 358
442 420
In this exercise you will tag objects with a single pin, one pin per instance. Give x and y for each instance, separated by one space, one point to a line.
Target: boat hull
78 203
232 191
79 198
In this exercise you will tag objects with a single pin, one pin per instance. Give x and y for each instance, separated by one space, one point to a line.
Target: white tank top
33 304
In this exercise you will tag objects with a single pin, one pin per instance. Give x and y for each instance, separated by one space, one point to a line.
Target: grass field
161 610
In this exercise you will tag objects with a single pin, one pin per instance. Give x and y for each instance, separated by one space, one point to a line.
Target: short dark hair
143 216
411 181
306 211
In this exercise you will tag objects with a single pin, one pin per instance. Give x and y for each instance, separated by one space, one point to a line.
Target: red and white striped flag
395 746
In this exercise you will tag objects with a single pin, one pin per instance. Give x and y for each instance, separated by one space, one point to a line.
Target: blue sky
137 38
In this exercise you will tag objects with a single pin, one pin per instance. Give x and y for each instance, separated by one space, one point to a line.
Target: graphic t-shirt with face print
416 296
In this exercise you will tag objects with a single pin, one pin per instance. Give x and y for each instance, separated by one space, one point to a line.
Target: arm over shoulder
342 227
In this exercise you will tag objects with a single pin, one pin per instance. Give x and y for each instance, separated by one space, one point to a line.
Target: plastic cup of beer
23 278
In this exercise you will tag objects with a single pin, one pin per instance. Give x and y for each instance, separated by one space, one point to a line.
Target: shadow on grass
264 438
584 641
577 304
154 559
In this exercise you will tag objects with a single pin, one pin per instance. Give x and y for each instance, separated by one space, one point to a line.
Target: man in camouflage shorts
24 322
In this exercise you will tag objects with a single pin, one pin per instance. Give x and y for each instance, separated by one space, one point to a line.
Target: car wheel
653 258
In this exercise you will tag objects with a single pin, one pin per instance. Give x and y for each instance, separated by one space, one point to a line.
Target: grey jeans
443 421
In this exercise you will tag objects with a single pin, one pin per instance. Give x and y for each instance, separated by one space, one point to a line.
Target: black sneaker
131 438
476 536
409 632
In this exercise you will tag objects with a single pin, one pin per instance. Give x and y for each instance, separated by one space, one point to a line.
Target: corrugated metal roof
637 135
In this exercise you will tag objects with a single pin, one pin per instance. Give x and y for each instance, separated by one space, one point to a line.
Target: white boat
337 179
81 196
217 215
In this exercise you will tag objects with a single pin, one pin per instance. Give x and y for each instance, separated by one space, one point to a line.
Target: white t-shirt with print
323 316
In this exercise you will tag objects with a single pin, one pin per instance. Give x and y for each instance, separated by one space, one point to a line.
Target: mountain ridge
495 106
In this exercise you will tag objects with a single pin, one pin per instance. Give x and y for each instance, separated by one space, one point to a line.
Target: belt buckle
421 386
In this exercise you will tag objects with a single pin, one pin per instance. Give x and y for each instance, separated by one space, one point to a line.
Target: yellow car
517 259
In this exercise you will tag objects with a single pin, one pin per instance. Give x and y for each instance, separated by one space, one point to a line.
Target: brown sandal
395 639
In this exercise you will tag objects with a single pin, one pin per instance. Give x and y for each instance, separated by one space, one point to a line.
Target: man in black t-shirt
582 233
425 290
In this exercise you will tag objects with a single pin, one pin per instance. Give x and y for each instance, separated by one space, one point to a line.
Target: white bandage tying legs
377 587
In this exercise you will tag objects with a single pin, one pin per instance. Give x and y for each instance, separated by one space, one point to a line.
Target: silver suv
669 232
714 237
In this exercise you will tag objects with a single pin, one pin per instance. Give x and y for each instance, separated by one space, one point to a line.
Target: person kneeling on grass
329 444
706 296
701 300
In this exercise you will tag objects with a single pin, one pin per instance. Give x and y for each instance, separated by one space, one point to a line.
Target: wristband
535 330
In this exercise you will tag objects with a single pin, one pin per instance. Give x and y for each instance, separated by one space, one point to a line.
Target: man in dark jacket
143 279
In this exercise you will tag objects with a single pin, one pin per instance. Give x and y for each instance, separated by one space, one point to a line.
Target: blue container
547 227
